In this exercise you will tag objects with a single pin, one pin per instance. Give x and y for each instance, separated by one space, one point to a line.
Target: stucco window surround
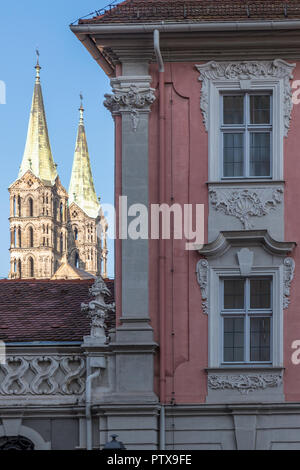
247 76
215 330
235 254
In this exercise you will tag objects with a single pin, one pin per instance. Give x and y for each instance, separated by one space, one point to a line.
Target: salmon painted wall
292 233
186 170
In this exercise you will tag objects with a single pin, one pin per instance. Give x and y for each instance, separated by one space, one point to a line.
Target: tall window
19 206
61 211
75 233
246 314
30 207
20 268
19 237
61 243
31 267
15 206
30 236
246 134
76 260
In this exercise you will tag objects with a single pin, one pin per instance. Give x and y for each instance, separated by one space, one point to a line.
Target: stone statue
97 309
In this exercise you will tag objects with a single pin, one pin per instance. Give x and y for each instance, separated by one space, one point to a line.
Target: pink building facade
205 103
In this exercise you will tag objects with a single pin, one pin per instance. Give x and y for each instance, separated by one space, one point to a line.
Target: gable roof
67 271
43 310
141 11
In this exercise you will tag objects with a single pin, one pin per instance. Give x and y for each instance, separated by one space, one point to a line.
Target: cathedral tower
38 203
87 225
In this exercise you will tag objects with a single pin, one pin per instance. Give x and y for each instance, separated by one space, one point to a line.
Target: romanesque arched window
15 266
76 233
14 238
31 267
14 206
30 238
61 243
55 209
19 206
54 239
20 268
30 207
19 237
61 211
76 260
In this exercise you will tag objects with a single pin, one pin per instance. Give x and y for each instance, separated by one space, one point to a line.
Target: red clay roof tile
38 310
141 11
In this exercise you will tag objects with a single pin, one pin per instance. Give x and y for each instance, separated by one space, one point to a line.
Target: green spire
37 154
81 189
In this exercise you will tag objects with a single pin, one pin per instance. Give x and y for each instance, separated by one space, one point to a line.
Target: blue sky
67 70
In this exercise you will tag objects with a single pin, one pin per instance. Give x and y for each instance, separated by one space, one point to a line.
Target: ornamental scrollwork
202 278
130 99
244 383
244 203
289 268
42 375
247 70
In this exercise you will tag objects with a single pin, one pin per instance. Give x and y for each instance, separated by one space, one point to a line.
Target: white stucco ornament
244 383
202 278
289 268
98 309
131 99
247 71
245 203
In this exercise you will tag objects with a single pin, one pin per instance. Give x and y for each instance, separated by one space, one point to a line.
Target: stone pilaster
134 347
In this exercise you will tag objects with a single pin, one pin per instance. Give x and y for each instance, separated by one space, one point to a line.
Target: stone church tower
87 225
45 231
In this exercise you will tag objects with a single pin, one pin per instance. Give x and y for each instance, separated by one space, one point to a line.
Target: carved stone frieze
244 383
202 278
129 97
245 203
246 71
42 375
289 268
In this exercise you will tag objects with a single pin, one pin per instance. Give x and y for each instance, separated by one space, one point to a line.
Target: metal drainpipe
88 404
162 250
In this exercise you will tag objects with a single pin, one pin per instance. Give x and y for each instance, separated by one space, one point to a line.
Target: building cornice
245 238
111 44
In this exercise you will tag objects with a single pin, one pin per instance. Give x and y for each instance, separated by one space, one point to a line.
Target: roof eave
113 28
91 47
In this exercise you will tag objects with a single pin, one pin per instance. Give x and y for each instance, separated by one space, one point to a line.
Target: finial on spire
81 109
37 67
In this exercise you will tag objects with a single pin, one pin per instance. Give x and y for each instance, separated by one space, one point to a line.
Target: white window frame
246 128
215 330
219 87
246 313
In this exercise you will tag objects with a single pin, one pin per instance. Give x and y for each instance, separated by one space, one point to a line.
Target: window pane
233 109
233 339
260 109
260 293
233 293
233 154
259 153
260 339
